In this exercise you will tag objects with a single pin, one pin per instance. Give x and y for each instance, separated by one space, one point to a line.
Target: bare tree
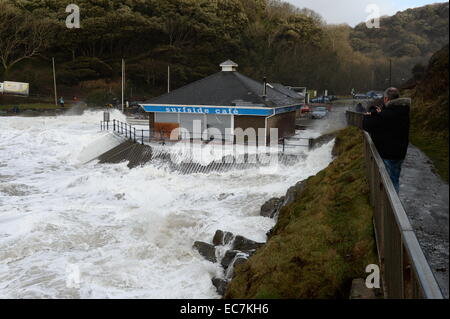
22 36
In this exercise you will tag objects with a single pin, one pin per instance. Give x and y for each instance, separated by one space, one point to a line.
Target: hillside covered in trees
409 38
265 37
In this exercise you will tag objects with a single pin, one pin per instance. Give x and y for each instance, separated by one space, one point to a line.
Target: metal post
168 78
54 81
283 144
134 131
114 125
123 82
107 125
101 128
142 137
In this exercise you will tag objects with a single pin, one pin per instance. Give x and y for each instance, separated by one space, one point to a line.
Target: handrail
405 270
130 132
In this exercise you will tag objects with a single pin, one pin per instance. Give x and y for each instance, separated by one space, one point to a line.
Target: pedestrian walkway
425 197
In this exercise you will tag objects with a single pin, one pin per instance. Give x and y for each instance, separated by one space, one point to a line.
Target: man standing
389 129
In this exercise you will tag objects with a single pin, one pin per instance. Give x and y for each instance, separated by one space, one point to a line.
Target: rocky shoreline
231 250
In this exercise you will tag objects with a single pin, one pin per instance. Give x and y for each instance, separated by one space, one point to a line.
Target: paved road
425 198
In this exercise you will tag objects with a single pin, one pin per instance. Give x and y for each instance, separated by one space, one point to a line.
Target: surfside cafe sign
223 110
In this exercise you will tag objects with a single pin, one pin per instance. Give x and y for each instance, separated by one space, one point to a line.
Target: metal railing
127 130
404 268
141 136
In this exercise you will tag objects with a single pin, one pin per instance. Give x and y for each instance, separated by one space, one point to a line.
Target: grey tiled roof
225 89
287 91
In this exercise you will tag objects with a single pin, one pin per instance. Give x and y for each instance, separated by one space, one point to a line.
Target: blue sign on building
208 110
223 110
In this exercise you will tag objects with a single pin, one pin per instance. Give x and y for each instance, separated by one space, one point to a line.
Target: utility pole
123 83
168 78
54 81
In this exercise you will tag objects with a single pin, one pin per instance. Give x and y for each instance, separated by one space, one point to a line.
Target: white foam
105 142
129 232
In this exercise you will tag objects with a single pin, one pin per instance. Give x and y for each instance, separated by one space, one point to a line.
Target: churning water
70 229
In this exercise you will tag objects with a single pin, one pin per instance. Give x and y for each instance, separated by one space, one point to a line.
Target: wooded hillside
265 37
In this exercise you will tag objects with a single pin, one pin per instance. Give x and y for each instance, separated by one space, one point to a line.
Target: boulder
239 261
224 196
319 141
222 238
206 250
271 207
220 284
228 258
292 193
244 244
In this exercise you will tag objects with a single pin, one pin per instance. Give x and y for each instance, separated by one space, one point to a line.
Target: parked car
374 95
319 112
360 96
320 99
305 109
332 97
378 95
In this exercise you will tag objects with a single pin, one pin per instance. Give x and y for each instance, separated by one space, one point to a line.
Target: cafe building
224 102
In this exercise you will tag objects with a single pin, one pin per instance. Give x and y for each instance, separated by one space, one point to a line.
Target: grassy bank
429 112
29 106
432 142
322 240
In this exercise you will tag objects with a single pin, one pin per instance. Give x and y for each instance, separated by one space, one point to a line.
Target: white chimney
228 66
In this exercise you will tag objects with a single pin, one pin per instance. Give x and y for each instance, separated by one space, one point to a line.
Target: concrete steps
137 154
117 154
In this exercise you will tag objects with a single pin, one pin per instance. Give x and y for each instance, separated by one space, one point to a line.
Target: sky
353 12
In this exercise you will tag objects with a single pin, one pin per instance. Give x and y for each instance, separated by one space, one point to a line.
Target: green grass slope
429 112
322 240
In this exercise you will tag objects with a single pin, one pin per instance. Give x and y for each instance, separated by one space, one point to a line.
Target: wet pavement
425 197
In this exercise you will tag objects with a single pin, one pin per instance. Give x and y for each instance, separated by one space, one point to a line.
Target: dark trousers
394 167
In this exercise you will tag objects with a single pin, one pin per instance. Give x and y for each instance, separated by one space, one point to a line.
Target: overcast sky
354 11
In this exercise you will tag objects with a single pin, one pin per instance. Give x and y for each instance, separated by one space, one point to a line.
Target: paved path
425 198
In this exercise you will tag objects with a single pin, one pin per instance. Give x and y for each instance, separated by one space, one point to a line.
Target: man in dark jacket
389 129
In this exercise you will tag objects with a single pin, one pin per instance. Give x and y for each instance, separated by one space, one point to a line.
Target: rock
244 244
269 233
319 141
293 192
222 238
206 250
360 291
239 261
224 196
220 284
228 258
271 207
